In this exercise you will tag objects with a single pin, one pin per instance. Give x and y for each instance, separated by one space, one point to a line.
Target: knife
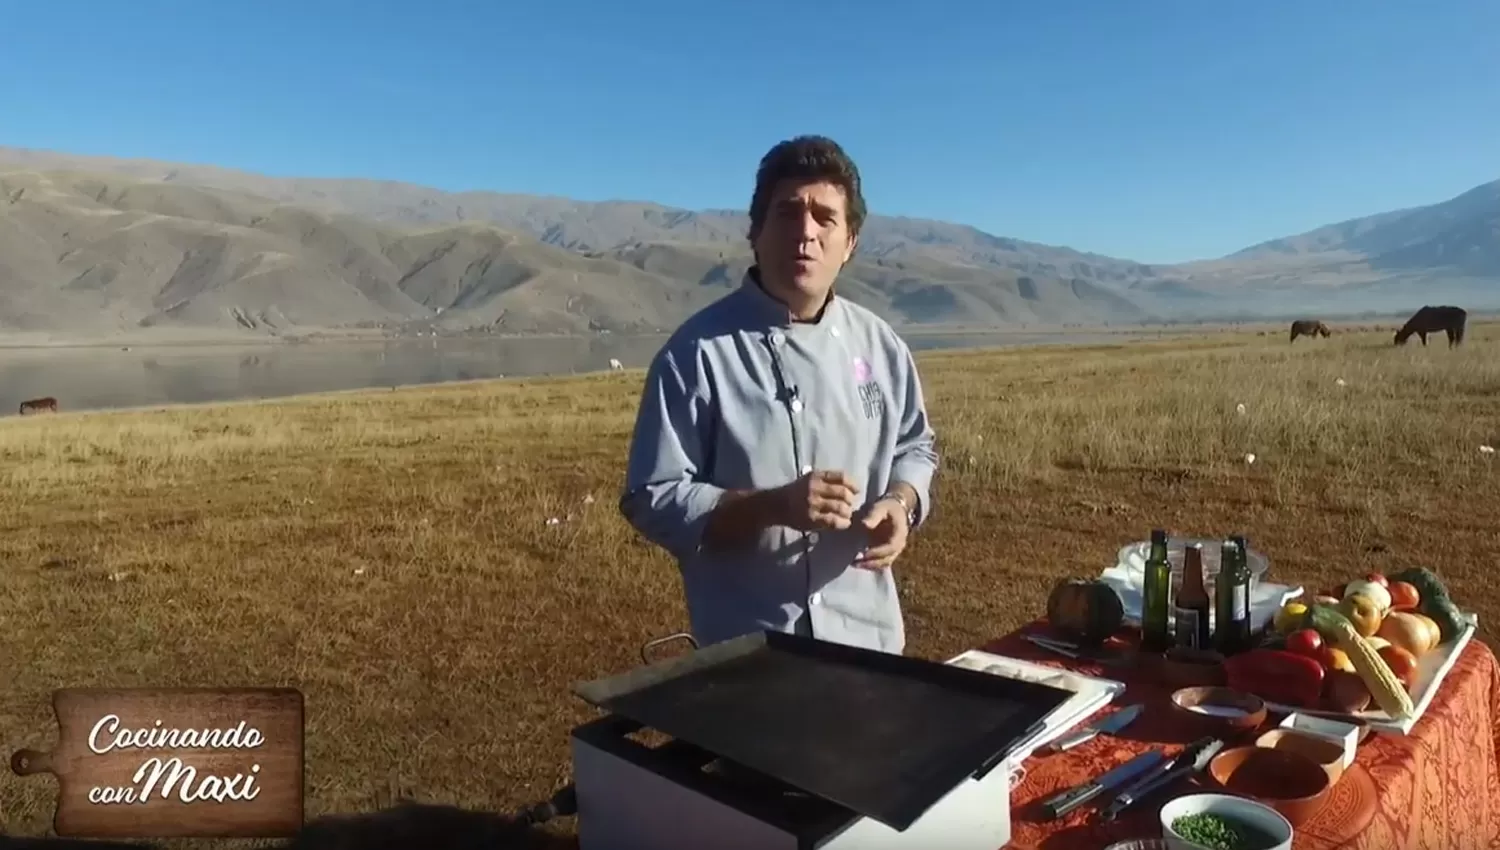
1077 653
1192 759
1108 726
1059 805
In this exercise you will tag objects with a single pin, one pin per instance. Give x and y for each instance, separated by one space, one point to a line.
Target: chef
782 452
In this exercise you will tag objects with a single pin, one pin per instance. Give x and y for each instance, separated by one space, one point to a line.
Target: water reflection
146 376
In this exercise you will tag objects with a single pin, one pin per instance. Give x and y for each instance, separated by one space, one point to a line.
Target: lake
92 378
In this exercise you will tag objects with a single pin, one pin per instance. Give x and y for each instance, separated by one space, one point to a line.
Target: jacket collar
774 311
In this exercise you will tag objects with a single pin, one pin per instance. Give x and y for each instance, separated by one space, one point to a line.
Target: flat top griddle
884 735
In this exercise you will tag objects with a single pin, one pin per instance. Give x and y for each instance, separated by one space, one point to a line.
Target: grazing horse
39 405
1309 327
1430 320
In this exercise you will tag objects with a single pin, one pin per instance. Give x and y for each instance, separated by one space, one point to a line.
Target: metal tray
886 736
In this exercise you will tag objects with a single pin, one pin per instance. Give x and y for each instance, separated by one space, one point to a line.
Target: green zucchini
1435 601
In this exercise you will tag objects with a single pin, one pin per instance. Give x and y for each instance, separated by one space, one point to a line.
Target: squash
1088 610
1363 613
1406 631
1377 594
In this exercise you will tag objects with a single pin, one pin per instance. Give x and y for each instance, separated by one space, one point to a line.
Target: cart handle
663 641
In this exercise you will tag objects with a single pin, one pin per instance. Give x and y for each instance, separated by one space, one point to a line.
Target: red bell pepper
1276 675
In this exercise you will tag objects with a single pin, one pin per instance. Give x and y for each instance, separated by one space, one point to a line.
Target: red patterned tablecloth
1438 788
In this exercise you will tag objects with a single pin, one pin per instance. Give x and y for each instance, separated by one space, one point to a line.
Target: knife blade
1108 726
1058 805
1194 758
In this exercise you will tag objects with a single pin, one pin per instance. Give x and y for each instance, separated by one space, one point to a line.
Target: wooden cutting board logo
175 762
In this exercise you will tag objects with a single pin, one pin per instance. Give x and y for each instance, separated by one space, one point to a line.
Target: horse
39 405
1430 320
1309 327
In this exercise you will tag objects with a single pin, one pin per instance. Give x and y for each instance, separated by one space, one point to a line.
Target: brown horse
1430 320
1309 327
39 405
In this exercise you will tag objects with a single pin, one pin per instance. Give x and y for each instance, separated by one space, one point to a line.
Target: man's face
804 241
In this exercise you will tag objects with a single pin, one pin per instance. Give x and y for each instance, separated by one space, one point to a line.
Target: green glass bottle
1156 596
1232 599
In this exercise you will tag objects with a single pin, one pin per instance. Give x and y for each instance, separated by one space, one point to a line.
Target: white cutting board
1090 693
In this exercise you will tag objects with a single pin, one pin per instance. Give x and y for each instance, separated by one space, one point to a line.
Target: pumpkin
1087 610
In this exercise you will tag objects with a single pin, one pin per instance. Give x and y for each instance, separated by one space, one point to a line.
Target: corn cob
1383 685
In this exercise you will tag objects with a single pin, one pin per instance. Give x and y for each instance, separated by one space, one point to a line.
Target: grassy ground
392 553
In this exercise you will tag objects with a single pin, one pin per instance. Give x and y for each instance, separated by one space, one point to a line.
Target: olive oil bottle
1232 599
1156 595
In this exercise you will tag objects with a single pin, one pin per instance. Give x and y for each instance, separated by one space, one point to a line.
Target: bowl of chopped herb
1223 822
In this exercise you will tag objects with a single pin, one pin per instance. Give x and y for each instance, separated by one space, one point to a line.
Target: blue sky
1159 130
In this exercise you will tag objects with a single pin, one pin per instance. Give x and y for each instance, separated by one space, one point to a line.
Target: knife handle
1143 790
1059 805
1068 742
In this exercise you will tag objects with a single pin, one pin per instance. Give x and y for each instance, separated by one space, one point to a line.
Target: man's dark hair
810 159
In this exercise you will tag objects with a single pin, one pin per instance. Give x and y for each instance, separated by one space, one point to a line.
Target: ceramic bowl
1327 754
1213 710
1256 815
1188 668
1292 784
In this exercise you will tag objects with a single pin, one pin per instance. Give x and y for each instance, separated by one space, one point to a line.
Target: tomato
1378 579
1404 596
1401 662
1305 642
1335 659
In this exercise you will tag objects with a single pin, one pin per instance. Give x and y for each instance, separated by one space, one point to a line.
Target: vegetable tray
1432 669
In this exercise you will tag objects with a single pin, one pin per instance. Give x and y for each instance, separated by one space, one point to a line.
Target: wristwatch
911 510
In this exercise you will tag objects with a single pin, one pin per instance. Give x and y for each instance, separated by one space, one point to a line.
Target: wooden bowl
1187 668
1326 754
1292 784
1213 710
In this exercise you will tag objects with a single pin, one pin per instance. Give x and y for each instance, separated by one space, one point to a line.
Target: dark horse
1430 320
38 405
1310 327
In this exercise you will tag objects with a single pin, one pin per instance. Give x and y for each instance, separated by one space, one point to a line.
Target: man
782 451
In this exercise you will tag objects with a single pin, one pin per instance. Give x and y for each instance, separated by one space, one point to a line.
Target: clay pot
1292 784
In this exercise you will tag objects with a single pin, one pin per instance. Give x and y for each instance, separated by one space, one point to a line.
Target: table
1438 788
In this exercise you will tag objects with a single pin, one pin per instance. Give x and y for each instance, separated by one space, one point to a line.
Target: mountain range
96 246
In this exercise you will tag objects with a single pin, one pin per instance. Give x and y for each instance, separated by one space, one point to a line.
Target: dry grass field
394 554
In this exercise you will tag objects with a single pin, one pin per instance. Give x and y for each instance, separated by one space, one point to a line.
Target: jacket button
815 599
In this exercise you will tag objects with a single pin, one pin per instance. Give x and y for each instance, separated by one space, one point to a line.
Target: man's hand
888 527
818 500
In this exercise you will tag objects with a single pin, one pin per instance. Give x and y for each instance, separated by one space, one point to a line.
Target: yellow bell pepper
1289 619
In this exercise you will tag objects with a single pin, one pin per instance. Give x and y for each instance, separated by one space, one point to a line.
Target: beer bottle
1156 596
1190 608
1232 600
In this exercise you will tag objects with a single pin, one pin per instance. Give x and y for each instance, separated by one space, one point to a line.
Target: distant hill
89 253
1452 248
519 263
589 226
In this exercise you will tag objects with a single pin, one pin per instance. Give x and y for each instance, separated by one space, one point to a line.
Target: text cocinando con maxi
190 788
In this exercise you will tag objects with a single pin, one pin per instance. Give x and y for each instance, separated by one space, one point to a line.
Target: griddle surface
884 735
